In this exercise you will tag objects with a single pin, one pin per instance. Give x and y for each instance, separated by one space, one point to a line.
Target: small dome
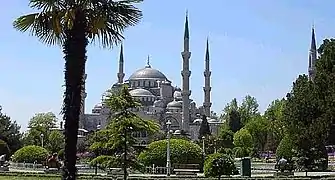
98 106
158 103
177 132
175 104
212 121
197 121
140 93
147 73
177 95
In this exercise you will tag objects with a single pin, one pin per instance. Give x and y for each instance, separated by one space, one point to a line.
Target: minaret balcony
186 73
207 104
186 55
185 93
207 73
207 88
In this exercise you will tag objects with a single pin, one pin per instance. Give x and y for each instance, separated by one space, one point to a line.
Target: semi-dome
140 93
175 104
177 95
147 73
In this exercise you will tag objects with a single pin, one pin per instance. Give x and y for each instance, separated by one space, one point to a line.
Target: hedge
182 152
30 154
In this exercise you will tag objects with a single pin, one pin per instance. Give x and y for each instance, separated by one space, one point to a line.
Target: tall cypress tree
204 128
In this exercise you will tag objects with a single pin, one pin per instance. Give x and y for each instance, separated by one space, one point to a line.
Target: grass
27 178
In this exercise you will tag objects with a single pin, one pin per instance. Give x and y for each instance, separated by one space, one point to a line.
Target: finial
186 33
148 62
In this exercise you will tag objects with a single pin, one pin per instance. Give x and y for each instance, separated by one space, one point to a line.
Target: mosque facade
160 100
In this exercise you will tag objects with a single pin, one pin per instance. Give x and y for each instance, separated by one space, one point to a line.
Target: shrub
284 149
182 152
219 164
30 154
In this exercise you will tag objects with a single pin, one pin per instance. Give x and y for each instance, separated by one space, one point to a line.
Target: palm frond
107 20
47 5
47 26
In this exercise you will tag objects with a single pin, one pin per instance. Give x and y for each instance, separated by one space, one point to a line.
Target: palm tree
71 24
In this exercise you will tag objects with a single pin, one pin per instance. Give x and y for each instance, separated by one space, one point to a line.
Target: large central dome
147 73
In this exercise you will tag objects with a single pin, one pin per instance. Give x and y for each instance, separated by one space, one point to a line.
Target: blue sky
257 47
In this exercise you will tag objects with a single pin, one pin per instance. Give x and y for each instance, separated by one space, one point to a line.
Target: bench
186 169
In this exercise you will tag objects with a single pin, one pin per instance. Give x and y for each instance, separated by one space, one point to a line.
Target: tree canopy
116 139
42 126
10 132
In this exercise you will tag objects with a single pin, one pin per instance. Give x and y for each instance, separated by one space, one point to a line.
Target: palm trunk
75 57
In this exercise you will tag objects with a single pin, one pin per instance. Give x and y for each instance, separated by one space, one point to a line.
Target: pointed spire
207 50
313 42
120 74
312 56
148 62
187 33
121 54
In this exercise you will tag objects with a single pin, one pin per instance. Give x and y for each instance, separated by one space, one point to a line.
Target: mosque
161 101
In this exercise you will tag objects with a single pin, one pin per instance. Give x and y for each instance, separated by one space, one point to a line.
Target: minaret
186 73
120 74
207 89
312 57
83 95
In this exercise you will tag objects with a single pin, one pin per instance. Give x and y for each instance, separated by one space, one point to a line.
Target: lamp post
203 145
96 162
214 145
203 153
42 140
168 161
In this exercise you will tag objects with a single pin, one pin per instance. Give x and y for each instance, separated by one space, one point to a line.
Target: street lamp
42 139
168 161
203 145
96 162
214 145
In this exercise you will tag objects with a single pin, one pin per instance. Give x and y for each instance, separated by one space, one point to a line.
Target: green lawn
27 178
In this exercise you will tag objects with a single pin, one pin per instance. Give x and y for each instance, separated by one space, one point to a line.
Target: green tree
4 149
258 128
10 133
117 138
232 105
248 109
56 141
40 127
72 24
243 142
231 116
306 124
204 128
225 138
274 114
285 149
325 84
